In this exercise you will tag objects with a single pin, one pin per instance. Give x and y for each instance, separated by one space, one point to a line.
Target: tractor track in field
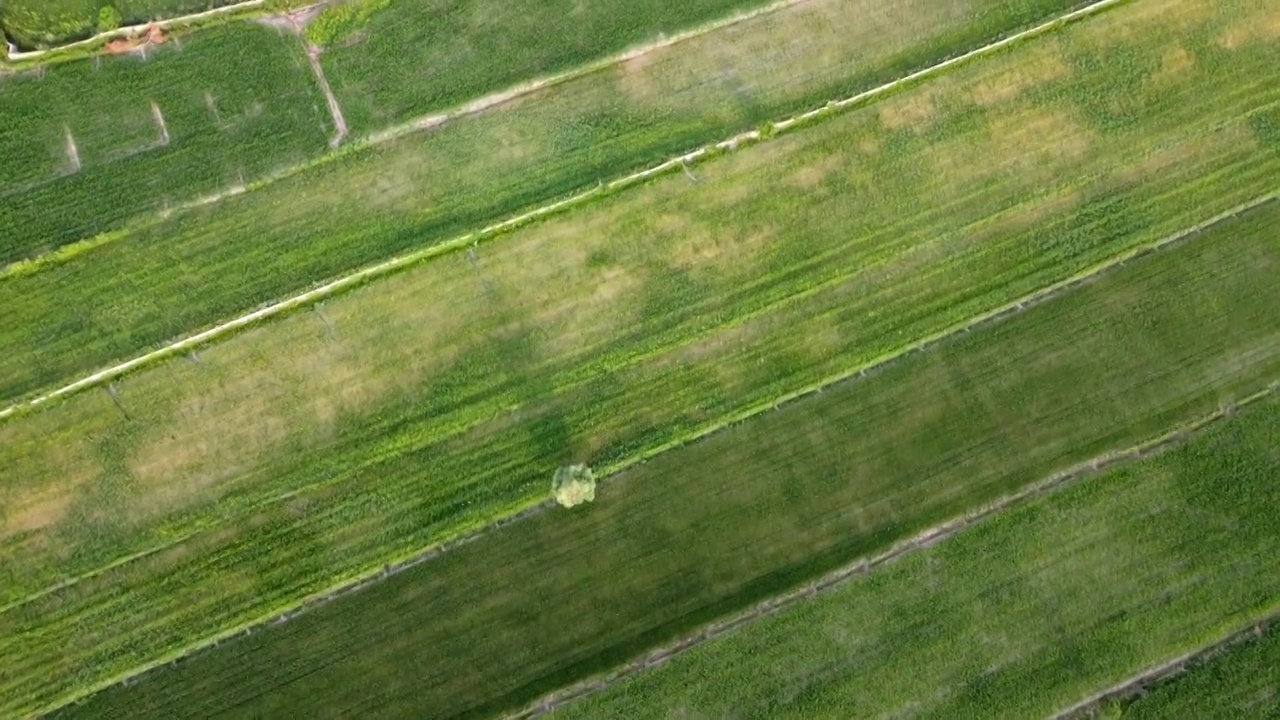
921 541
519 512
1140 683
679 163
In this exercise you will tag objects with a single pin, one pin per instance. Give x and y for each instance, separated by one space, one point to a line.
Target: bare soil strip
680 163
1143 682
928 538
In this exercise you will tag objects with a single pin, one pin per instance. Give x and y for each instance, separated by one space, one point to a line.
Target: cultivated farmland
205 266
87 146
811 343
1021 616
773 501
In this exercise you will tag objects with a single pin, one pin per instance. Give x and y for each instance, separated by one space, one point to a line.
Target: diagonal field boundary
521 510
1139 684
826 111
866 565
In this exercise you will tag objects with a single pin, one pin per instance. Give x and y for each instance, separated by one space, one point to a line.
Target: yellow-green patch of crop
207 265
422 405
762 506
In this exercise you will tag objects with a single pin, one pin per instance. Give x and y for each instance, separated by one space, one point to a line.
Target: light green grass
1244 682
725 522
1020 616
449 394
238 102
206 266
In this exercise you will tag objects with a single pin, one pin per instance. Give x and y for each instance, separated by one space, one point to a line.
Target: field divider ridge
522 509
1138 684
927 538
773 129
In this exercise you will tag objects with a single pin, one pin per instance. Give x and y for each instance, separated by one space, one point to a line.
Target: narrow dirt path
928 538
335 110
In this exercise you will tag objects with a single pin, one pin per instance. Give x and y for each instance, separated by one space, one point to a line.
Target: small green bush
108 18
338 22
574 485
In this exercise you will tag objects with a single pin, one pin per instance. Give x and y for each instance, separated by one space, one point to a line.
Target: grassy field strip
1170 671
922 540
1046 390
401 563
469 239
421 124
985 666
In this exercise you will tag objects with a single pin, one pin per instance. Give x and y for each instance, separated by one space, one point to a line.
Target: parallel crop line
521 510
865 565
828 110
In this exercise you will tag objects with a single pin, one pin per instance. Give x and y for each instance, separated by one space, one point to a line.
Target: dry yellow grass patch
1140 17
1177 61
813 175
914 110
1043 66
35 510
1263 27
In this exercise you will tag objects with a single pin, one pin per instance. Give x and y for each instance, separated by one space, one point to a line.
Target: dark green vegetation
205 266
1024 615
1243 682
46 23
724 522
146 134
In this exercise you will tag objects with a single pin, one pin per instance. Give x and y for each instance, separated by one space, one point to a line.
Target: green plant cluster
341 20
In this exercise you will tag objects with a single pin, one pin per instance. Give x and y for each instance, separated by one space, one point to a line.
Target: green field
230 116
1242 682
211 264
1019 617
791 493
290 458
